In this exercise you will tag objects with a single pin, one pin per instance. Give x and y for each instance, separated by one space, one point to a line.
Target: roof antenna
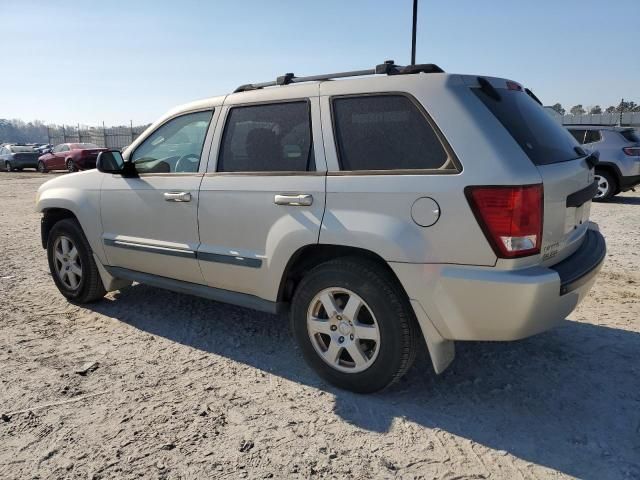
413 33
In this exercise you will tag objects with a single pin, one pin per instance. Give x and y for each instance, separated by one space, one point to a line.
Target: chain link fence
109 137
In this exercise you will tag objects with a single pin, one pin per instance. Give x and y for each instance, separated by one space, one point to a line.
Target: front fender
79 194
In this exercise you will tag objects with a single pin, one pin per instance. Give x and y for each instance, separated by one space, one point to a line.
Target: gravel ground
189 388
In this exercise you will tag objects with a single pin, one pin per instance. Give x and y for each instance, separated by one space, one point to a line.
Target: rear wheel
71 167
7 166
42 168
354 325
607 186
71 263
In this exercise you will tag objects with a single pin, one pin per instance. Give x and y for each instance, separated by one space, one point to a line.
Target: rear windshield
631 135
539 135
21 149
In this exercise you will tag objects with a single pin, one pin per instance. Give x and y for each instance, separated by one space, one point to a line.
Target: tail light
511 217
632 151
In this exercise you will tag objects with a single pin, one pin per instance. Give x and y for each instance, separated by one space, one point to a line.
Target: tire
7 166
607 186
71 167
88 285
42 168
384 307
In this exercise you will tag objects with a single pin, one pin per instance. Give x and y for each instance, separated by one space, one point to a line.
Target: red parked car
71 157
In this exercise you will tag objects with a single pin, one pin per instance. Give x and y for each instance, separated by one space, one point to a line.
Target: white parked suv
377 211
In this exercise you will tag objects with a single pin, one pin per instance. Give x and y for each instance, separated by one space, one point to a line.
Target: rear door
263 196
566 176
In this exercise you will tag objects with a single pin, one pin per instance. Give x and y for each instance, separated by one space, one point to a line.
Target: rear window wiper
533 95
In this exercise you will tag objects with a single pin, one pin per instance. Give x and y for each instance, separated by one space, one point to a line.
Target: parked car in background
44 148
619 147
16 157
343 203
71 157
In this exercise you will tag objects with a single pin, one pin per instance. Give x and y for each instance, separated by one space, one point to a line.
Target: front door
150 223
263 196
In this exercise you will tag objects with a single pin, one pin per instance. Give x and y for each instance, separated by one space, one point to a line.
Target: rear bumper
627 183
482 303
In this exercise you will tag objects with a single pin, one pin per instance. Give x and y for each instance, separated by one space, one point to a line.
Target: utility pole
413 32
621 110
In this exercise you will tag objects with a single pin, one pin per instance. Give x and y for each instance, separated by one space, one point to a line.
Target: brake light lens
513 86
511 217
632 151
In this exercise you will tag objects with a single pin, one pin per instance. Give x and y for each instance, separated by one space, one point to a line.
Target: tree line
17 131
622 107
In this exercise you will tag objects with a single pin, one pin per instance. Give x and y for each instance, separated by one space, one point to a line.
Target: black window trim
269 173
451 156
173 117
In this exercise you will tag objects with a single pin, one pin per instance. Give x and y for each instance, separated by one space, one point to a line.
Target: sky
116 61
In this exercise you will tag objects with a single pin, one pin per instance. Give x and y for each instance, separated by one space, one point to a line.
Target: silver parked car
619 147
376 211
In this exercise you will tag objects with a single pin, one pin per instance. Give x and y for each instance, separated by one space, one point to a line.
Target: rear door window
385 132
268 138
578 135
592 136
540 136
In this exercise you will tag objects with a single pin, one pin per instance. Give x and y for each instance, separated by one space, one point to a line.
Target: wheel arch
51 216
612 169
310 256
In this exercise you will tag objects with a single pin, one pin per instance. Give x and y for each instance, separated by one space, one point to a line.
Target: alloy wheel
70 166
603 186
343 330
67 262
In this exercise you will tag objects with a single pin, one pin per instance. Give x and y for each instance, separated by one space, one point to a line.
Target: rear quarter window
542 139
631 136
385 132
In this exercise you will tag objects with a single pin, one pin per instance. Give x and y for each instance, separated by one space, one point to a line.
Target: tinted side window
592 136
176 146
385 132
267 138
578 135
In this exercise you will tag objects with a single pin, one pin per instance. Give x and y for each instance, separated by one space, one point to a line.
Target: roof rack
386 68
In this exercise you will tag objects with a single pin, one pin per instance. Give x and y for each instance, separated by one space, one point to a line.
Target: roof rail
386 68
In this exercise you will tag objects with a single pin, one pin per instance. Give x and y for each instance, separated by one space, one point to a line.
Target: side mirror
111 161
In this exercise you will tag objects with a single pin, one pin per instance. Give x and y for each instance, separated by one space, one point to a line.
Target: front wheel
354 324
607 186
42 168
71 167
71 263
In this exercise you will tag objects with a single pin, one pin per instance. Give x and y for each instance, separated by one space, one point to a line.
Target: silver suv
379 211
619 147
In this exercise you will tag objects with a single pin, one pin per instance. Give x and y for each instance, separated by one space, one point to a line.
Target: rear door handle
303 200
177 196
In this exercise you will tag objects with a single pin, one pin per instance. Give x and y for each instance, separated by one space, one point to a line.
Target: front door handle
303 200
177 196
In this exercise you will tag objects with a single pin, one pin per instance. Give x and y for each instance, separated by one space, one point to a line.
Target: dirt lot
189 388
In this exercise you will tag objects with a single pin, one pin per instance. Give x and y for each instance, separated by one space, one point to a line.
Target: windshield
540 136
